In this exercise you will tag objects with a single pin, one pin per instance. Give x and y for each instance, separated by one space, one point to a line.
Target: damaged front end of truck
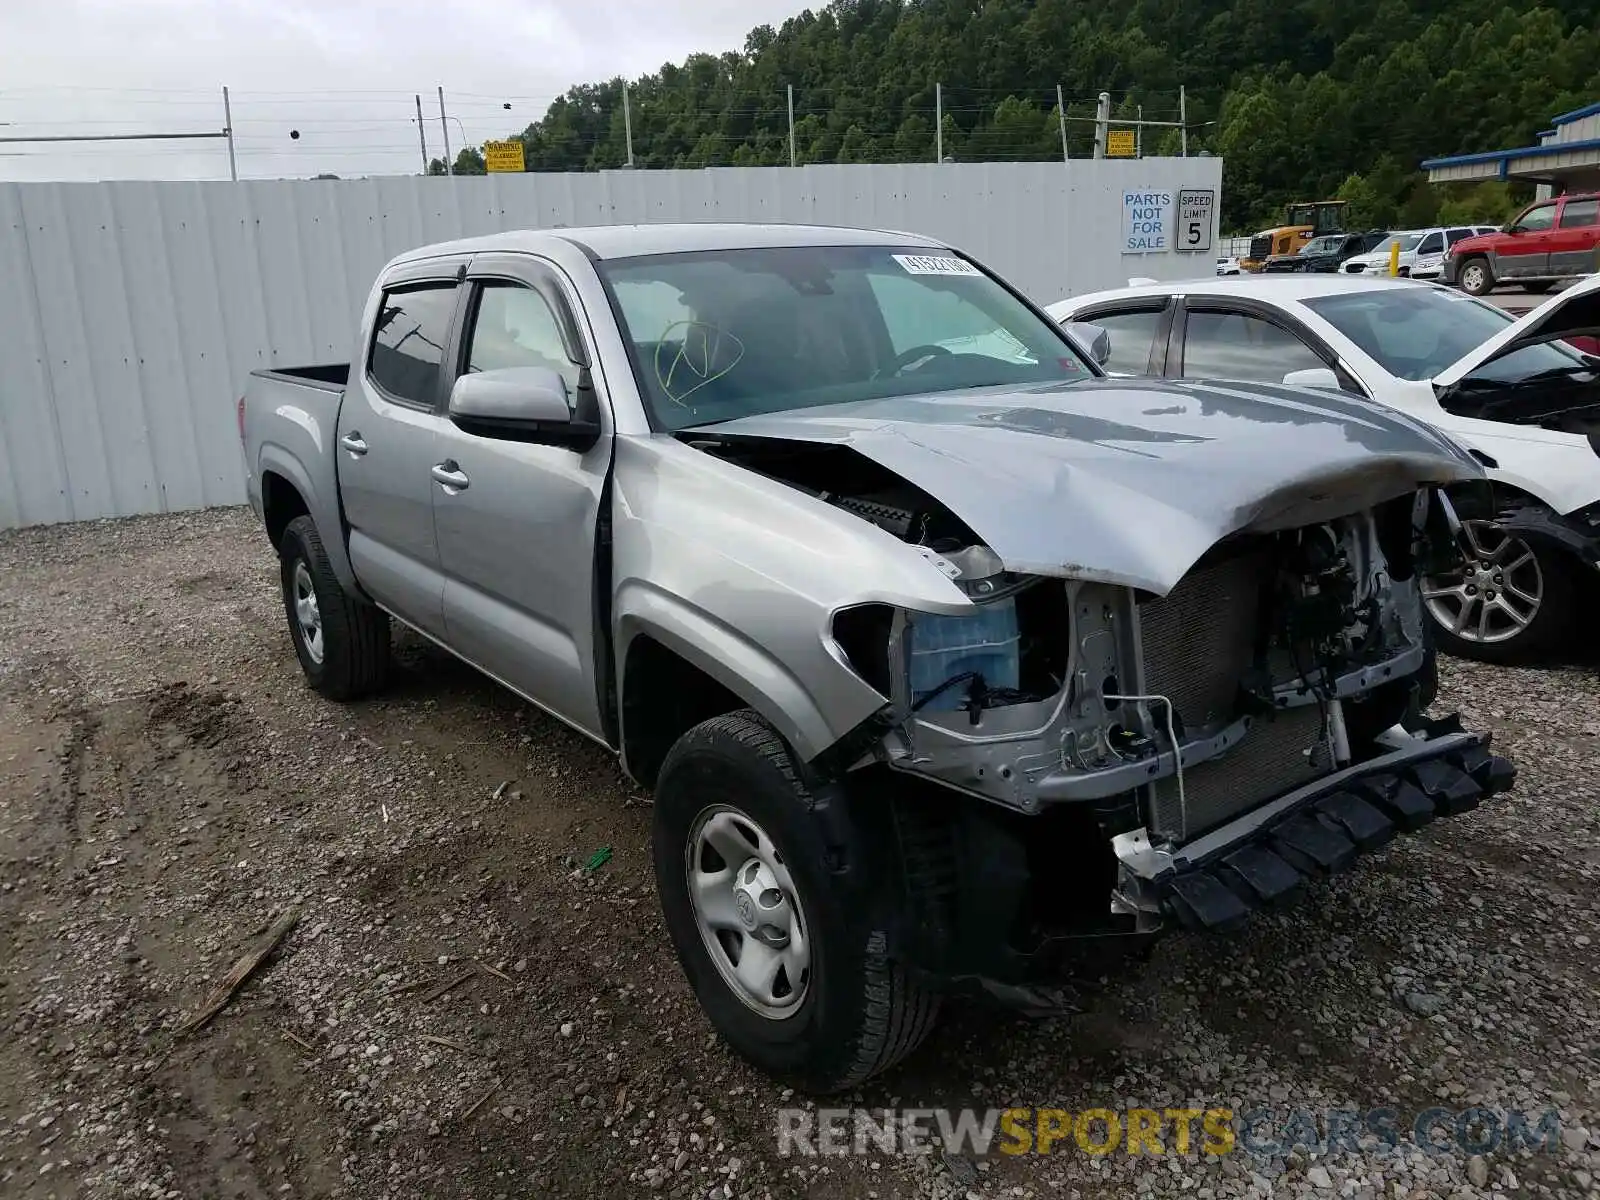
1191 678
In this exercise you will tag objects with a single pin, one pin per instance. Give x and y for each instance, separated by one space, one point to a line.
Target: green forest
1304 99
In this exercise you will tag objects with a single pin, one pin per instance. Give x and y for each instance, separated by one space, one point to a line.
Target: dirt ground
464 1011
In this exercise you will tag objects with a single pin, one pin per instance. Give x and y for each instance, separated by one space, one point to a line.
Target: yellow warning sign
503 156
1120 143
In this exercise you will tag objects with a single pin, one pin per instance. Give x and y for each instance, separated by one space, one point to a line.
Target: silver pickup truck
949 659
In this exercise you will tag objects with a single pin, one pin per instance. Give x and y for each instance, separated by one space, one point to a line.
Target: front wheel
789 967
1476 278
1511 601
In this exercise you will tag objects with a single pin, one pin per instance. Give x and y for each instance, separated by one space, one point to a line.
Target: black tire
860 1013
1476 276
1552 623
1538 287
354 659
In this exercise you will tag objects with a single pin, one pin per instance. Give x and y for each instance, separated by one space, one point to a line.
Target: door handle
353 443
450 477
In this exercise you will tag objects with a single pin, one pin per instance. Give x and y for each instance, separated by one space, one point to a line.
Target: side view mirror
1095 339
1314 377
520 404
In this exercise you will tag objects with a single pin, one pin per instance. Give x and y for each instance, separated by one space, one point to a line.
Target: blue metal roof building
1566 159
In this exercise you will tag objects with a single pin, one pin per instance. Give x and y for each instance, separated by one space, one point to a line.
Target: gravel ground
463 1011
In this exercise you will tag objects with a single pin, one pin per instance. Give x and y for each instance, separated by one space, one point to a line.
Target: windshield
1407 241
1322 245
722 334
1416 332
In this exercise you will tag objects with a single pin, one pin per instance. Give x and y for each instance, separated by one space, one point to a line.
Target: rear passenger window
1578 213
1132 334
408 343
1230 345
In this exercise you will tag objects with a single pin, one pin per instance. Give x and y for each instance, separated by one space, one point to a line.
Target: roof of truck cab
631 241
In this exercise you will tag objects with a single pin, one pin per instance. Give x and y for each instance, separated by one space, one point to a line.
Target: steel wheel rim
306 613
748 913
1473 276
1497 593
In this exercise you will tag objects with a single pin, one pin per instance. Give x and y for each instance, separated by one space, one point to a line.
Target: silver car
951 662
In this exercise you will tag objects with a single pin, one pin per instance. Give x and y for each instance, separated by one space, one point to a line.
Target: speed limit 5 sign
1196 210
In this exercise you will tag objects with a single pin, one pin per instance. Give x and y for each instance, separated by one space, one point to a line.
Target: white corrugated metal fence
130 313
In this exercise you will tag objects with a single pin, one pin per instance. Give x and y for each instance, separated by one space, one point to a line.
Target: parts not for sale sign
1146 221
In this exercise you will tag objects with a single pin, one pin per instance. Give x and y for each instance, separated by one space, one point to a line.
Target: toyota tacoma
949 659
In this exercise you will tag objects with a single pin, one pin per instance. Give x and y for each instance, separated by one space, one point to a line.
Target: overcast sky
342 72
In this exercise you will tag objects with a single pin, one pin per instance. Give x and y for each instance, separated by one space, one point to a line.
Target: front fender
807 722
1559 470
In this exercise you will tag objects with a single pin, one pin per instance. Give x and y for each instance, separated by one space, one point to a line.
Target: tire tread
899 1013
361 667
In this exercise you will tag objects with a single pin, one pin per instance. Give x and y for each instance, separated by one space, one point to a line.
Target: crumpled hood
1130 481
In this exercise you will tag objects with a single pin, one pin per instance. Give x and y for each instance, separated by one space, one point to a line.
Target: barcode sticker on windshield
935 264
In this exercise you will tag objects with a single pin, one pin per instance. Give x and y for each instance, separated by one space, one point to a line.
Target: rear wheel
342 641
787 962
1475 277
1511 601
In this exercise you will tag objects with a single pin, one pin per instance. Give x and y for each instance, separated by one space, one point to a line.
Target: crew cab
1546 242
950 661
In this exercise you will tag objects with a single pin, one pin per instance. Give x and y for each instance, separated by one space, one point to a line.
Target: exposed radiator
1275 756
1198 641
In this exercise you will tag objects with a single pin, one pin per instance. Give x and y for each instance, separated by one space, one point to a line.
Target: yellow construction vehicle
1301 223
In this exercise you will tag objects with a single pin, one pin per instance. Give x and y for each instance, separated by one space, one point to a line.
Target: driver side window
1537 219
1132 334
515 328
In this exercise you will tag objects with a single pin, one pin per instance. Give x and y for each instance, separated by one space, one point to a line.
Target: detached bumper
1261 859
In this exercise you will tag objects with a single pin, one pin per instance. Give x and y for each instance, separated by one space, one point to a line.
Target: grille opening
1200 643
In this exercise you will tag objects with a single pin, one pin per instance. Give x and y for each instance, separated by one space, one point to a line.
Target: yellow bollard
1394 258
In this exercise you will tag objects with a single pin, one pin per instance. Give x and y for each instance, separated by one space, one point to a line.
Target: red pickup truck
1548 241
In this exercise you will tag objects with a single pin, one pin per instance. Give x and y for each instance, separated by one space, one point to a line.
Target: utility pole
1183 121
1061 116
938 122
449 168
791 124
227 120
627 123
1102 124
422 135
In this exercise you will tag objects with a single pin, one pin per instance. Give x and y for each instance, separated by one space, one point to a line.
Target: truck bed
330 377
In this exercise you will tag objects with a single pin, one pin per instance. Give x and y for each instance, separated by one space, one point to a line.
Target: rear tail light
241 418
